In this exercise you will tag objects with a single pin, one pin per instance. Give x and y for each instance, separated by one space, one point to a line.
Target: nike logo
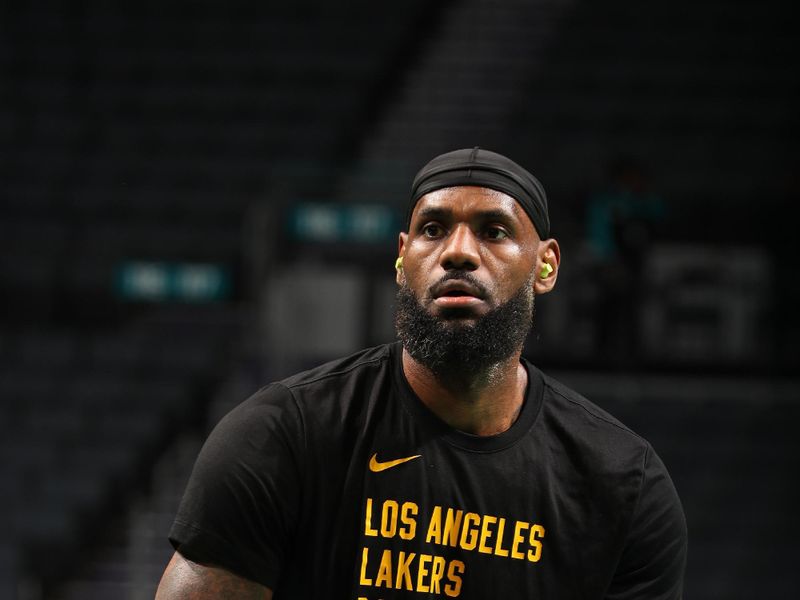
376 466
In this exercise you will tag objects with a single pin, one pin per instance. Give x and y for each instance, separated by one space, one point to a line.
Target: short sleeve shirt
340 483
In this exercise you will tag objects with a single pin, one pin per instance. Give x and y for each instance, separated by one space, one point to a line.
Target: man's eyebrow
433 212
496 215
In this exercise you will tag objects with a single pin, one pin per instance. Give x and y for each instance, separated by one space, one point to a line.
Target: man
444 465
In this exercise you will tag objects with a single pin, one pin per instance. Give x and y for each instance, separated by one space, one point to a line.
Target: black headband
483 168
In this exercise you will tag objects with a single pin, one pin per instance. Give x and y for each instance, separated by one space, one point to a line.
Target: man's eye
496 233
432 230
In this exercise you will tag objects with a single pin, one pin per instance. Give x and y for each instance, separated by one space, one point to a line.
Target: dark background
197 198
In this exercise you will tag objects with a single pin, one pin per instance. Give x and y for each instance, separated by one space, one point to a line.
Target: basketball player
443 465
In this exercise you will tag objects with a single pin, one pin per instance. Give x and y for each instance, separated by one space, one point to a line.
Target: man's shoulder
582 419
574 400
325 380
285 400
366 360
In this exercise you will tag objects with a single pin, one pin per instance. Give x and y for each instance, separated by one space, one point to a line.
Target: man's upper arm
187 580
653 562
241 504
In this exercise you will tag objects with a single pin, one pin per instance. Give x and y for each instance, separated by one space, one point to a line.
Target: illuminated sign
162 281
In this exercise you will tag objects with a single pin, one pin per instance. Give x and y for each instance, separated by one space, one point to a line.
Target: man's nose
461 250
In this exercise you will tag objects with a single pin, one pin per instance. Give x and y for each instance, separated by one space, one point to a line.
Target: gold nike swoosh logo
376 466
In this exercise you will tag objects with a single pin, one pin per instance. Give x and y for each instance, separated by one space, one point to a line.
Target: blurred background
199 197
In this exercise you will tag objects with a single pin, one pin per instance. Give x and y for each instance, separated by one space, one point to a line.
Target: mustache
464 276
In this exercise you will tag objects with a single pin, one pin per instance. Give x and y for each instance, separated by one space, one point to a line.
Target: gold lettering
456 569
498 545
368 529
535 553
404 571
389 518
407 515
469 536
364 556
486 534
435 526
515 553
433 574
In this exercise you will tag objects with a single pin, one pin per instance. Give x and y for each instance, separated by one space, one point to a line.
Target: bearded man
444 465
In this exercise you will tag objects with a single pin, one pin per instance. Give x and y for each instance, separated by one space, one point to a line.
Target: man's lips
455 293
457 301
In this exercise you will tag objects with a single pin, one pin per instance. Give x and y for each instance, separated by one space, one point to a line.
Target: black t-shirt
339 483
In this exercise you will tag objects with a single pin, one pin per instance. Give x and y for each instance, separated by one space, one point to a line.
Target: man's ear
401 248
547 263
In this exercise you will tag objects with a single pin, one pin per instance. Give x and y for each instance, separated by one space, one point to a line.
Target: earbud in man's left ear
547 268
398 264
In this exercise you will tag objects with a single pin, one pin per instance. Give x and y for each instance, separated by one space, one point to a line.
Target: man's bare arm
187 580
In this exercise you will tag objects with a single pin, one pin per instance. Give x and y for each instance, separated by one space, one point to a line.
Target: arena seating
82 425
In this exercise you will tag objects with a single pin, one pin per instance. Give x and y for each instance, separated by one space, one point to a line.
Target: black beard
455 351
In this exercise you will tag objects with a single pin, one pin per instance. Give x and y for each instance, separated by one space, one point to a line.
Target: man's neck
484 403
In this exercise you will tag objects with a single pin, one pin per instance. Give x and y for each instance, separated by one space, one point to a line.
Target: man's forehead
458 199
